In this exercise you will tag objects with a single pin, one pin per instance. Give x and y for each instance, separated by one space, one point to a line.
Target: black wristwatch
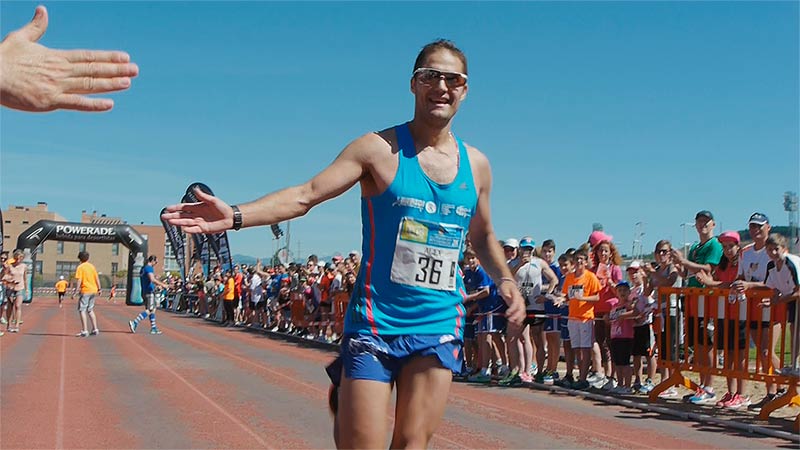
237 218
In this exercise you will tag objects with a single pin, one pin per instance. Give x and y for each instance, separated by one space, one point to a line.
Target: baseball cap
321 264
511 243
635 265
61 277
704 213
623 283
353 253
598 236
758 219
527 242
730 236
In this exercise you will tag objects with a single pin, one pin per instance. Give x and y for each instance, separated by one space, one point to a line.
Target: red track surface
202 386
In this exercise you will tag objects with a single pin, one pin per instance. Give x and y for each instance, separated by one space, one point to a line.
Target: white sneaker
601 381
592 378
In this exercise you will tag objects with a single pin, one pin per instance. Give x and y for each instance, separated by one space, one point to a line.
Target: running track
202 386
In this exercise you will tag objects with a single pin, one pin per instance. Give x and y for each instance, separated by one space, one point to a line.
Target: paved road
202 386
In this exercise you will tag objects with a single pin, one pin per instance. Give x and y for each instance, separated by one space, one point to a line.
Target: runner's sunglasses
428 76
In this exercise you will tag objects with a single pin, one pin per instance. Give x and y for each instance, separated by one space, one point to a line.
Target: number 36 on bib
426 254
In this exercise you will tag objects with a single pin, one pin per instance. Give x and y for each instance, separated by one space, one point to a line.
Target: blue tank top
413 236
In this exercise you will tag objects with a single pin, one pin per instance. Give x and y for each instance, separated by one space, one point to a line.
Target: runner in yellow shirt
61 289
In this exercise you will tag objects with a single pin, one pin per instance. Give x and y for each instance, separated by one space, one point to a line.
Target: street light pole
685 244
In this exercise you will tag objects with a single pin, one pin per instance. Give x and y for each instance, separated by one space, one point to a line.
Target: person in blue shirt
148 282
491 321
422 190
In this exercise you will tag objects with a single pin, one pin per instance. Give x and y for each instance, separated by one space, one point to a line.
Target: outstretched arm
39 79
486 246
212 215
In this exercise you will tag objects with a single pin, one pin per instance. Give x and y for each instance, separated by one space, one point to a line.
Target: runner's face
437 100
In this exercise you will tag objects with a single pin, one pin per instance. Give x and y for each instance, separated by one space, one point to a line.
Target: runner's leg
422 389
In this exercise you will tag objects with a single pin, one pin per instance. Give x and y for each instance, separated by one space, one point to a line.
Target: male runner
422 189
149 283
61 289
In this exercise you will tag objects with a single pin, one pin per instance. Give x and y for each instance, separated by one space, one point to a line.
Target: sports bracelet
510 280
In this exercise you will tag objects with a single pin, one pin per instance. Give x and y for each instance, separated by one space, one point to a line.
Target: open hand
209 215
39 79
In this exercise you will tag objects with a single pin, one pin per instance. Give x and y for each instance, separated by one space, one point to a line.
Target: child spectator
605 265
643 339
730 337
583 290
621 318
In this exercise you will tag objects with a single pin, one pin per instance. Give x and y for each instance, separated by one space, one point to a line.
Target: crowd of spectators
584 307
263 296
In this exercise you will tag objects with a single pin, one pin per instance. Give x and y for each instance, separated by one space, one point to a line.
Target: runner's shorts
149 300
381 358
86 303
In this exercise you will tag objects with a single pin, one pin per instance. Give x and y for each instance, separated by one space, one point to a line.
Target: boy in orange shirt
582 288
89 285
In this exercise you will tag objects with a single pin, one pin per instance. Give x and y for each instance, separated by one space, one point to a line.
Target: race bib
426 254
576 291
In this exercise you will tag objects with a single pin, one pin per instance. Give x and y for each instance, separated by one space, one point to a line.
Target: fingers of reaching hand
102 69
96 56
89 85
80 103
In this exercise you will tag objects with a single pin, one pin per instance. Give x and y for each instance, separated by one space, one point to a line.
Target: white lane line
197 391
60 409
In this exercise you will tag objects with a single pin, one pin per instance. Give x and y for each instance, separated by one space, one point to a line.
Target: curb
697 417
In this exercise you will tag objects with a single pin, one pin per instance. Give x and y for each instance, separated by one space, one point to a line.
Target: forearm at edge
276 207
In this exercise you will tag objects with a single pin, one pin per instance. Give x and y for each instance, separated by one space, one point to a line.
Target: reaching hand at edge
39 79
209 215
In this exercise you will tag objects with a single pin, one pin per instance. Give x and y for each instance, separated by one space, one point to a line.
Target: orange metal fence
716 320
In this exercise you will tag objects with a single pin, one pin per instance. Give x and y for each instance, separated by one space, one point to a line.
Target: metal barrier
704 311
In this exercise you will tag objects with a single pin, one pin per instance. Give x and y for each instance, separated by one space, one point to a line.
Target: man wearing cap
535 279
510 248
752 273
703 256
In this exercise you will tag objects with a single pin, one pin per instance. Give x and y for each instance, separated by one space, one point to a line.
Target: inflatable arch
45 230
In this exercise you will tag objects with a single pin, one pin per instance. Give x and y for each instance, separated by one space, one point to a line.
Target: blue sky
615 113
